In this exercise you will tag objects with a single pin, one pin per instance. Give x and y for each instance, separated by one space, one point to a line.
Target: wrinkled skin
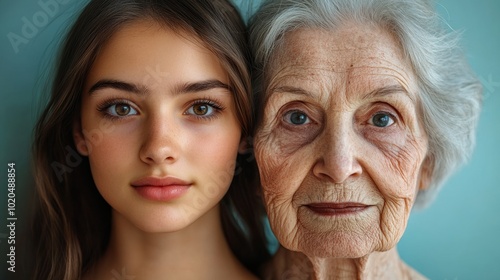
341 124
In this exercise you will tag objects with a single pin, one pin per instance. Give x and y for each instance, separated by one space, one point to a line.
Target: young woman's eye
381 119
296 117
117 109
122 110
204 109
200 110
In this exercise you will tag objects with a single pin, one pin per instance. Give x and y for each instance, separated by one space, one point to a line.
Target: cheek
281 176
111 156
283 155
214 155
395 166
395 172
105 137
279 171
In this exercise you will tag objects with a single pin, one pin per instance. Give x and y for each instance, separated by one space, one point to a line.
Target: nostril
158 150
170 158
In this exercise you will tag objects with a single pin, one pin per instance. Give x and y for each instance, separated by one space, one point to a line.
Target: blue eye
296 118
381 120
121 110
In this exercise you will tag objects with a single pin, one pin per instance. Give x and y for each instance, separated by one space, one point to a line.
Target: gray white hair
450 94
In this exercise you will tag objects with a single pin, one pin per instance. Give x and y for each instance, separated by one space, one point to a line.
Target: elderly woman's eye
381 120
296 118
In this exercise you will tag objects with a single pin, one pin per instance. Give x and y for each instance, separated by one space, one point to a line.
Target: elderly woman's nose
338 156
160 140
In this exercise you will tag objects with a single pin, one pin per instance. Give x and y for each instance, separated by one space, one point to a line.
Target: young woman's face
159 127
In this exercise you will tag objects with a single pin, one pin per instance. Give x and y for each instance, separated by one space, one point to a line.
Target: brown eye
200 109
119 110
204 109
122 109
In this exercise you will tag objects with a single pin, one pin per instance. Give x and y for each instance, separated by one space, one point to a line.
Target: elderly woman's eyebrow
291 89
276 92
378 92
388 90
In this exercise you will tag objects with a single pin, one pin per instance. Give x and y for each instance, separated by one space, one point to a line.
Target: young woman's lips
335 209
161 189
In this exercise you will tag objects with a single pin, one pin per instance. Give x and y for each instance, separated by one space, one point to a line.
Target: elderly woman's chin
350 232
339 245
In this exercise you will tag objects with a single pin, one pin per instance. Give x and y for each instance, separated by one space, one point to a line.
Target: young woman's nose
160 142
337 158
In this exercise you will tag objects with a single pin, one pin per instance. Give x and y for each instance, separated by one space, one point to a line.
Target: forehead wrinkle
400 86
291 79
401 77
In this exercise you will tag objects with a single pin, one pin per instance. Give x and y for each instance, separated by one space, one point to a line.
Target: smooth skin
341 125
155 104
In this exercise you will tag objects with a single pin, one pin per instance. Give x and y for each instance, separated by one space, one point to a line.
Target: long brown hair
71 223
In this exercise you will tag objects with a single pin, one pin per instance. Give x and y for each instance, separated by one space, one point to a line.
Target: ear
79 138
426 173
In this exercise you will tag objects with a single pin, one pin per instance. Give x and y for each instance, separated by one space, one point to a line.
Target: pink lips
334 209
161 189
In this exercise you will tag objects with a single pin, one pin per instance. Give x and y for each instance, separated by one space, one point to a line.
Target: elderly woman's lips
336 208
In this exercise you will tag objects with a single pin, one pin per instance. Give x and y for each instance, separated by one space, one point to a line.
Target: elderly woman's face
341 146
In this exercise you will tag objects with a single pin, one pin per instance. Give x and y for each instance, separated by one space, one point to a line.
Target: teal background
457 237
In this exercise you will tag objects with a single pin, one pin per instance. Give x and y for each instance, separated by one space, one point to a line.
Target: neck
378 265
184 254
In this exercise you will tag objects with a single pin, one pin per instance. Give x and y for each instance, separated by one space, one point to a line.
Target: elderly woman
366 107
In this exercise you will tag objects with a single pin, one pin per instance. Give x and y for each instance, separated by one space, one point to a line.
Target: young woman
135 153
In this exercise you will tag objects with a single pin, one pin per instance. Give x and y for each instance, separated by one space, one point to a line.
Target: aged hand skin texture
342 153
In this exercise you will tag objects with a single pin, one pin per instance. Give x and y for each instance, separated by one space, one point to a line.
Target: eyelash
104 106
214 103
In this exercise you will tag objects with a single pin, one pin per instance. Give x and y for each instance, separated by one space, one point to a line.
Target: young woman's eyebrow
189 87
192 87
118 85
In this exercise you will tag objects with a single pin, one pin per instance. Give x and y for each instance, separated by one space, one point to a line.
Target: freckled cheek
210 149
103 134
114 155
215 152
